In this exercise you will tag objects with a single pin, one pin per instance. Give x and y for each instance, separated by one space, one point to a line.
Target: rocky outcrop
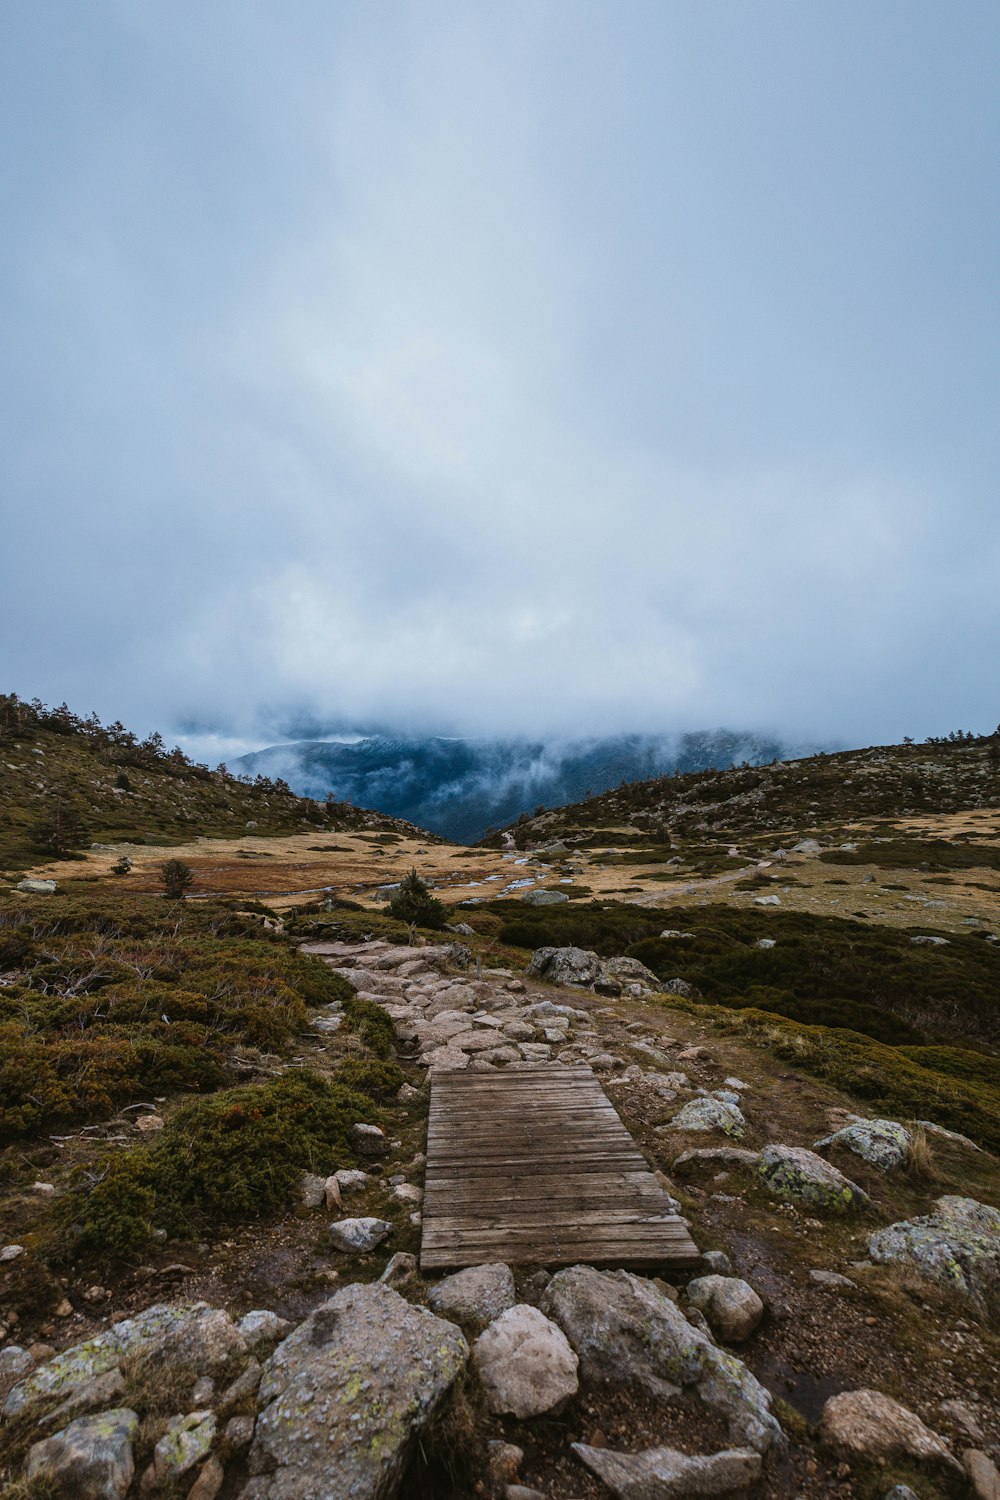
574 966
91 1459
708 1113
957 1246
188 1333
525 1364
666 1474
869 1425
625 1331
800 1176
883 1143
345 1396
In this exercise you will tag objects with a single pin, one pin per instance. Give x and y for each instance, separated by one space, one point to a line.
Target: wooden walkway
534 1166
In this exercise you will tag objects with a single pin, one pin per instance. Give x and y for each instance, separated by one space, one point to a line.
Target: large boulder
544 898
525 1364
665 1473
91 1459
476 1295
344 1397
574 966
868 1425
801 1177
883 1143
732 1307
706 1114
187 1333
625 1331
957 1245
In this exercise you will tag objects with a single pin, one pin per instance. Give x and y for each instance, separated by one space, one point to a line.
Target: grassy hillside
821 794
72 782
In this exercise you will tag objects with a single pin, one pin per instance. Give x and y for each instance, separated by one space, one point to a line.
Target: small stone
149 1124
963 1418
203 1390
408 1192
352 1180
312 1190
732 1307
717 1262
406 1093
476 1296
369 1140
401 1267
709 1114
43 1189
262 1327
15 1362
357 1235
332 1194
243 1386
238 1433
503 1461
525 1363
832 1279
209 1482
11 1252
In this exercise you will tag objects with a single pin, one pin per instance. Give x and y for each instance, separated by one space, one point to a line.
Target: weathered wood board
533 1165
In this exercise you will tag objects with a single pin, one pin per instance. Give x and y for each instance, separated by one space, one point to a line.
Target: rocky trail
838 1336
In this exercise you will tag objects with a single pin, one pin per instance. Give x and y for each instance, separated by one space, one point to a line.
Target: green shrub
236 1156
376 1078
371 1024
413 903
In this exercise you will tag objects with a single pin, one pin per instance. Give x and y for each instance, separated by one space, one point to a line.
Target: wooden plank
533 1165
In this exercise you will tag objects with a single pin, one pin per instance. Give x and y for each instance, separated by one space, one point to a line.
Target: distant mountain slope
462 787
813 792
74 780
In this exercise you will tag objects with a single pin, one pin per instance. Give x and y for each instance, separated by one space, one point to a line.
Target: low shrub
379 1080
371 1025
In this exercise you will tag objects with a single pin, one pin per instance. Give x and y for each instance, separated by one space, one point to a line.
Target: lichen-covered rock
883 1143
525 1364
15 1362
732 1307
187 1441
666 1474
574 966
957 1245
476 1295
869 1425
345 1396
188 1333
95 1394
630 971
800 1176
625 1331
716 1157
707 1113
91 1459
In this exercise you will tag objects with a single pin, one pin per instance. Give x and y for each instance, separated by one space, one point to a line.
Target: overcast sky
500 367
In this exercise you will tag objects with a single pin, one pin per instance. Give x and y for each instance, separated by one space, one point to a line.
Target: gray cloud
502 369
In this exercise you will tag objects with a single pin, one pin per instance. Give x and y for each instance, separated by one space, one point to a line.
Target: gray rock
211 1478
679 987
91 1459
625 1330
10 1252
476 1295
666 1474
901 1492
767 901
962 1417
401 1267
353 1236
982 1474
346 1396
98 1392
957 1245
709 1114
869 1425
15 1362
732 1307
352 1180
36 887
929 941
525 1364
883 1143
189 1333
369 1140
832 1279
187 1441
238 1433
800 1176
262 1327
312 1190
575 966
765 943
544 898
631 970
716 1262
